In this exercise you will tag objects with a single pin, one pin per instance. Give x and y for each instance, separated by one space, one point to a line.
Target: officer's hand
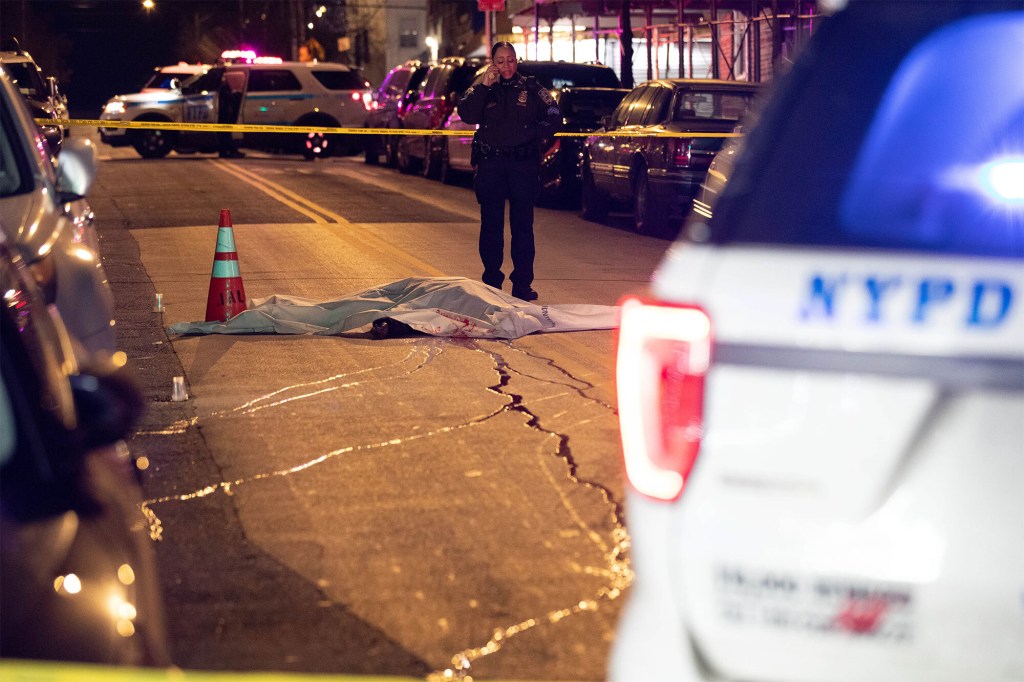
491 75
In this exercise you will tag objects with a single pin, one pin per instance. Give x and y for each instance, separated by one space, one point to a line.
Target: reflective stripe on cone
227 292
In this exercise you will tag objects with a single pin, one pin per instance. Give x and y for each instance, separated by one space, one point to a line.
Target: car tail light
440 114
664 352
681 151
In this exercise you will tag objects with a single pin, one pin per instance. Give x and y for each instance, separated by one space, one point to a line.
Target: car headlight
113 107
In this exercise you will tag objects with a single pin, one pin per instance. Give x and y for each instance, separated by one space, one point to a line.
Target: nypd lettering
875 298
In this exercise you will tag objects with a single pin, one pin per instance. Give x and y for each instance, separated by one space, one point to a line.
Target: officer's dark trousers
514 181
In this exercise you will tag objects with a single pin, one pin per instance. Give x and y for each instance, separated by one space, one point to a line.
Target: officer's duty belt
517 153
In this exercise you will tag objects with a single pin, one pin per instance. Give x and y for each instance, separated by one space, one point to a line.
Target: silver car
46 219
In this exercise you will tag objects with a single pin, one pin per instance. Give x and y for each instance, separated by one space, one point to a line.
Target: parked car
584 92
42 94
562 163
655 174
436 99
47 220
315 94
820 398
397 92
79 578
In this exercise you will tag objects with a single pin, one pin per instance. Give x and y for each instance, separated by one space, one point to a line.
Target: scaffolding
747 40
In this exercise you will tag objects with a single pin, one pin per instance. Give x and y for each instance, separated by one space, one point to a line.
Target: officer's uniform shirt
511 112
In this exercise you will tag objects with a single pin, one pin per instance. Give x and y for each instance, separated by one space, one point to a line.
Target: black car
390 103
436 99
651 164
583 109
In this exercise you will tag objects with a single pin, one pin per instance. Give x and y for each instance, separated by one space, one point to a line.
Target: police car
822 397
275 92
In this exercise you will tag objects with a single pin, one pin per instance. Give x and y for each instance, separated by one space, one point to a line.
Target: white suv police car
314 94
822 398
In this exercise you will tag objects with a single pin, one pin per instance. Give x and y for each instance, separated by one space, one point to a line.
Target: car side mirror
52 88
175 84
76 168
108 401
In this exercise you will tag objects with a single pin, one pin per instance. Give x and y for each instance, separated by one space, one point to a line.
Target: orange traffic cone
227 293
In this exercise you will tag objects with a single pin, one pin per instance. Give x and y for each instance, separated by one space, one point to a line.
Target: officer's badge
522 97
546 96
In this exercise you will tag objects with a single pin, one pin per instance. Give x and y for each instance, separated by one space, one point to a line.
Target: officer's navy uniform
514 116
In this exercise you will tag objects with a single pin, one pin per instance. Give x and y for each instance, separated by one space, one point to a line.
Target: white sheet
440 306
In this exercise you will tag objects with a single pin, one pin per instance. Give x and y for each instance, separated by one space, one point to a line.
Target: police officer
515 114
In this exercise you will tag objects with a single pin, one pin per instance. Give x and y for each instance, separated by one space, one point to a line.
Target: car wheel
152 144
371 155
593 203
390 152
316 146
650 216
405 163
431 162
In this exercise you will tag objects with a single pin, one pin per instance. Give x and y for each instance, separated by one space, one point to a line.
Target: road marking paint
227 168
318 214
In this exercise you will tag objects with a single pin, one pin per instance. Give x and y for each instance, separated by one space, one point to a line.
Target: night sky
100 48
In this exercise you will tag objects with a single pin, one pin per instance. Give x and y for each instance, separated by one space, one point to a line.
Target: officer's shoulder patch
470 90
546 96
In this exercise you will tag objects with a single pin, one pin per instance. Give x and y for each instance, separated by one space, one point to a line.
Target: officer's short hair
503 43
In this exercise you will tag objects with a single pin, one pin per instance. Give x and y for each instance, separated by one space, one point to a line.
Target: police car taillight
664 352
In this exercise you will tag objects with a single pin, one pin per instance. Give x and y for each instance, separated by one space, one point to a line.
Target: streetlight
148 5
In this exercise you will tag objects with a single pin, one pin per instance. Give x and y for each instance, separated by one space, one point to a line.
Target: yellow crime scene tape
256 128
40 671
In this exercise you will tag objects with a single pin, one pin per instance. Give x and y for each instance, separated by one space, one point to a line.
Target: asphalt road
350 505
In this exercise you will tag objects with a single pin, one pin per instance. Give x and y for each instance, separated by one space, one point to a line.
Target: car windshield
27 79
877 118
162 80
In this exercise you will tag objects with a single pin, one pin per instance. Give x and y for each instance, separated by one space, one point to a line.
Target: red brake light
664 352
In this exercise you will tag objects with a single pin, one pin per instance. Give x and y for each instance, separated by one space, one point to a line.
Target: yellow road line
227 168
317 212
257 128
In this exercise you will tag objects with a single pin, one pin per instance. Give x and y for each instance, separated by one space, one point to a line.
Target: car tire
371 153
316 146
391 152
593 203
153 144
431 161
405 162
650 215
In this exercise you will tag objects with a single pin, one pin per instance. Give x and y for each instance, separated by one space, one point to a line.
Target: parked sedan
47 220
657 174
821 396
79 578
